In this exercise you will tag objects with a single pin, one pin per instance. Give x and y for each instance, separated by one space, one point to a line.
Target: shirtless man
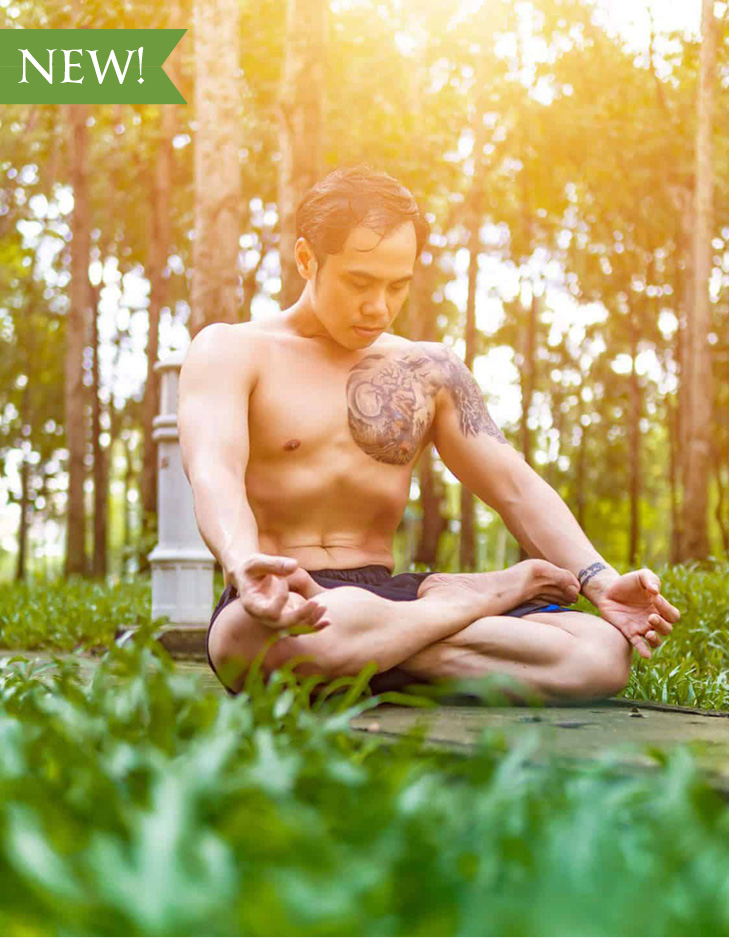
299 436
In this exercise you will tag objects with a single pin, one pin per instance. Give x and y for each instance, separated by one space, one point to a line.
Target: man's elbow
517 489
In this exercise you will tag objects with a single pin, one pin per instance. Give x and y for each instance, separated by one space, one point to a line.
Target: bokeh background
574 167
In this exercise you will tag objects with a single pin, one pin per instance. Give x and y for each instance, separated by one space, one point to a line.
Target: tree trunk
673 471
77 318
434 524
698 447
215 293
419 325
679 468
720 516
159 250
23 523
634 437
527 378
45 512
300 128
100 473
468 532
127 514
581 472
115 421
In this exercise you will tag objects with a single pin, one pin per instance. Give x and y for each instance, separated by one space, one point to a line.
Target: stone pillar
181 564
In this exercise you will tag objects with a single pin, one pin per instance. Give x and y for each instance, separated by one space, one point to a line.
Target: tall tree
76 328
467 549
300 127
216 293
101 456
159 250
695 539
420 325
31 373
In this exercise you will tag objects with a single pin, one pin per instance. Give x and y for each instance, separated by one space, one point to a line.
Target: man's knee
599 669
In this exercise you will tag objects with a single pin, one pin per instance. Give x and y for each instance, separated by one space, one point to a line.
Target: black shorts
377 579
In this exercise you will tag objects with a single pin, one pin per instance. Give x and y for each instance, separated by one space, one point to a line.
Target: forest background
573 160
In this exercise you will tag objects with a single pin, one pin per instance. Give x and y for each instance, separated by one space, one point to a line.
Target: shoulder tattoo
473 414
391 401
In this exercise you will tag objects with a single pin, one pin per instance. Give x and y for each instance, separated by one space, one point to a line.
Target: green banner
87 66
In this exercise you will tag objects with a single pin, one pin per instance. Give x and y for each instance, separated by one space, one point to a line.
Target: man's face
361 290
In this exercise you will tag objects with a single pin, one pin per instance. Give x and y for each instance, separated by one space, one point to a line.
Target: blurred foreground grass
134 802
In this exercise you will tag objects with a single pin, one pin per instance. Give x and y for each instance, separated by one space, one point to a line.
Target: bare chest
380 407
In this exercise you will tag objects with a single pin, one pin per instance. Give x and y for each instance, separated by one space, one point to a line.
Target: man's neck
302 319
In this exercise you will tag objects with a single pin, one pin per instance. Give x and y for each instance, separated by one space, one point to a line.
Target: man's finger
267 607
660 624
308 613
669 612
649 580
652 638
266 563
640 646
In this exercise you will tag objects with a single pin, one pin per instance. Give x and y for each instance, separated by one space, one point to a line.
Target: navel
292 444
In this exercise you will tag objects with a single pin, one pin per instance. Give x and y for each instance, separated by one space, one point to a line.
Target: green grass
62 613
691 667
139 804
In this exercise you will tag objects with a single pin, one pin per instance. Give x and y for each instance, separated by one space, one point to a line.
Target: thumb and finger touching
641 646
649 581
266 598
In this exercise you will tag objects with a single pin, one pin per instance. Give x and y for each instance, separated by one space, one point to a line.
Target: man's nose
376 306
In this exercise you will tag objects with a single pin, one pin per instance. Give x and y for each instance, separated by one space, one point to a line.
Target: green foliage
61 613
136 803
691 668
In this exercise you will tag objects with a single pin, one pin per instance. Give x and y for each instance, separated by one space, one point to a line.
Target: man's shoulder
231 331
231 352
397 343
224 338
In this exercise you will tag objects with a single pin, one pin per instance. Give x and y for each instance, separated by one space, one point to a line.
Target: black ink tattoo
589 572
468 398
391 401
390 406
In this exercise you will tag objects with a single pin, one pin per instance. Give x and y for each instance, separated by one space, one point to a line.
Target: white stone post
182 566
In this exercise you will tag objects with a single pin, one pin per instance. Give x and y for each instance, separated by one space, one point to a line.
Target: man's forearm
224 517
545 527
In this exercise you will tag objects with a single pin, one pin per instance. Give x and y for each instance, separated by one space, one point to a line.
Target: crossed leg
453 632
558 655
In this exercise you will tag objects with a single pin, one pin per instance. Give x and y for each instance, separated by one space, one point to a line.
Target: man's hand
266 586
634 605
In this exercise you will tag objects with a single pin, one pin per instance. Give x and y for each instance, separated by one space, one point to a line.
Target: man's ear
305 259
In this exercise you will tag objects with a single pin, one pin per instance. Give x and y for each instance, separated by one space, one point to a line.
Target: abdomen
332 502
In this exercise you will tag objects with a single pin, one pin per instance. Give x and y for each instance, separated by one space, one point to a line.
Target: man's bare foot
492 594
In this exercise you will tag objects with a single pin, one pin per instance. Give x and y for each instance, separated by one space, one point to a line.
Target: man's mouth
368 333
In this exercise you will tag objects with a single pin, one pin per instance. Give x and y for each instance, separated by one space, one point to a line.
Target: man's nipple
292 444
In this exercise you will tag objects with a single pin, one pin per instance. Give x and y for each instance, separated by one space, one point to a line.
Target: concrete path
624 728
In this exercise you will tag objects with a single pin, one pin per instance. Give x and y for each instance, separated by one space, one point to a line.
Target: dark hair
351 196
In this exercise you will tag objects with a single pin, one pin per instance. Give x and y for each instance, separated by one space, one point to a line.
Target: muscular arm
215 385
476 451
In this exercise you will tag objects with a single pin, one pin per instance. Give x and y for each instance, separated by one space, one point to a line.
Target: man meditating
299 435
